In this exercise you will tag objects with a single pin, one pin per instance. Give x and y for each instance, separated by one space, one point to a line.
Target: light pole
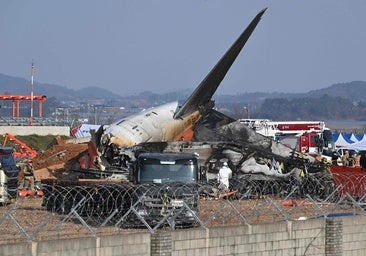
247 110
95 114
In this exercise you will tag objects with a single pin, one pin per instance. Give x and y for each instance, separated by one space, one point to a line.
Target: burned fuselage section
246 151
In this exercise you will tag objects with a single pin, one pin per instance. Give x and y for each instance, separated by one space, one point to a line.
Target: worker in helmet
28 175
223 177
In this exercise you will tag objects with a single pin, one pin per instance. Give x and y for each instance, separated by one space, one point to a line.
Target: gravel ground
28 220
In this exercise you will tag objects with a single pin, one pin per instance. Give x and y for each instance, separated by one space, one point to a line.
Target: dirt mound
63 156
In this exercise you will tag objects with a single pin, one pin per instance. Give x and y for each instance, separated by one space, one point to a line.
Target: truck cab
8 175
162 168
164 183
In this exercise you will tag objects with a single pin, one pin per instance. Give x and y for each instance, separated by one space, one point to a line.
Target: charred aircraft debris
251 156
117 143
196 127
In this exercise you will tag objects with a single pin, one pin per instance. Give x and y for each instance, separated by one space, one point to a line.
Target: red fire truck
311 137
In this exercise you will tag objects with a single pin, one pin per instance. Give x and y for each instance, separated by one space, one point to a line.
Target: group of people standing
356 160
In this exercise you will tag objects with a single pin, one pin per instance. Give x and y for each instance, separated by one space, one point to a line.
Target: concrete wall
38 130
112 245
285 238
354 236
333 236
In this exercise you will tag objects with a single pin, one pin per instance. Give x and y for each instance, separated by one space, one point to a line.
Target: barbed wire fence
91 210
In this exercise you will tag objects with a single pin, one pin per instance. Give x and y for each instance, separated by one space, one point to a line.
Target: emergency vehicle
312 137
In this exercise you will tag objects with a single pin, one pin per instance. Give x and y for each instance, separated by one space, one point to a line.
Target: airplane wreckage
195 127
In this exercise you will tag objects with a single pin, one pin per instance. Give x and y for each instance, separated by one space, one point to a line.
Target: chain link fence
110 208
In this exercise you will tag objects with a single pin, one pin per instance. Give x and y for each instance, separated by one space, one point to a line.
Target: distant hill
355 91
343 101
16 85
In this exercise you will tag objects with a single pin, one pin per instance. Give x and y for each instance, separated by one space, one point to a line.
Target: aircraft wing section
204 92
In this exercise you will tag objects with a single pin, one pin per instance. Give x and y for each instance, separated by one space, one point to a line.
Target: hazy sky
129 46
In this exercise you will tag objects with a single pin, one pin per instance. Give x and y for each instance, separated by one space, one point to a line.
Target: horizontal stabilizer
204 92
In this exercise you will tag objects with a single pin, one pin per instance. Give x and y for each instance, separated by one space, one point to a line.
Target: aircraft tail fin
203 93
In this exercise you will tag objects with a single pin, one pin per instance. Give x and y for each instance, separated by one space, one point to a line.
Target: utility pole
31 100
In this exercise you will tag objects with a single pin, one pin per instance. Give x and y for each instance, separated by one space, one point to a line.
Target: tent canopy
361 145
342 141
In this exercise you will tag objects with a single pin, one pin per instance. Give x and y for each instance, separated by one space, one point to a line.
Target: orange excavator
21 150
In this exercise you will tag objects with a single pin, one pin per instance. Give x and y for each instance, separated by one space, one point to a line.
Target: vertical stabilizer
204 92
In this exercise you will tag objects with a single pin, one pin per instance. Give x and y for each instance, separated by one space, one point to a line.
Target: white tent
353 138
361 145
361 137
342 141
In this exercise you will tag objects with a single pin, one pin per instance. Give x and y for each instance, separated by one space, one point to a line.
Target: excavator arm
21 150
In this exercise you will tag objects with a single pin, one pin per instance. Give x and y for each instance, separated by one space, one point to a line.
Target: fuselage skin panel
151 125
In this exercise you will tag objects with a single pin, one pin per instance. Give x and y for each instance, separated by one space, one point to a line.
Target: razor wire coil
122 206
